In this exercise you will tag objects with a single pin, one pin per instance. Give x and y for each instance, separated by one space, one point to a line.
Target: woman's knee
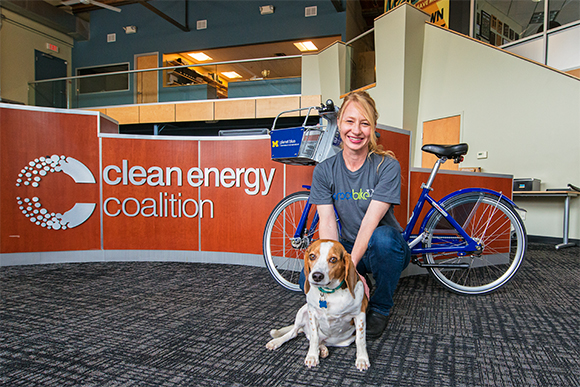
387 244
386 238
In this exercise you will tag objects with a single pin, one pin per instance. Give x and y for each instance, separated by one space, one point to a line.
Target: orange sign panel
50 190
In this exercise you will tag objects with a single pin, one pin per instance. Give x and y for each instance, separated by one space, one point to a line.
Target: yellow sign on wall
438 9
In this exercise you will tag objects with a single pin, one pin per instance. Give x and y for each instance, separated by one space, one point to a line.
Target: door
147 82
49 94
444 131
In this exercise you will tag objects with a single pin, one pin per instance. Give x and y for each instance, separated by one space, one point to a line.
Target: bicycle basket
296 146
306 144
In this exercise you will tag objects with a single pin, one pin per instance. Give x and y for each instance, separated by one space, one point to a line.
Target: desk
565 194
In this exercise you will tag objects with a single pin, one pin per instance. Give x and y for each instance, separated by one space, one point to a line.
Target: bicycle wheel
490 221
283 252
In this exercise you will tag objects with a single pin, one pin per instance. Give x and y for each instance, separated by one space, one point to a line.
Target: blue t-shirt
351 192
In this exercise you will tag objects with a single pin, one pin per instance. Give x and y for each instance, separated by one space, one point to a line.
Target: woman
363 182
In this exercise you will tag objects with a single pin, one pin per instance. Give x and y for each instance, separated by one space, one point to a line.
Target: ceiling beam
45 14
337 5
182 27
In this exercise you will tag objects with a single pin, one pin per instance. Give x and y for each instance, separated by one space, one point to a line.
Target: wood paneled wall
245 108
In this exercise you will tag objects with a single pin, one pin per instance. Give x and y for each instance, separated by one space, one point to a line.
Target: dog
335 309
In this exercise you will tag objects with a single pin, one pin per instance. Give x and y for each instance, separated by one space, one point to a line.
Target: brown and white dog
336 303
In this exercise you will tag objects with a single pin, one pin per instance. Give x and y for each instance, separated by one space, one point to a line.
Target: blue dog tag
323 303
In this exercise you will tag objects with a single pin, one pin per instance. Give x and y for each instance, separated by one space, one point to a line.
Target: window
103 83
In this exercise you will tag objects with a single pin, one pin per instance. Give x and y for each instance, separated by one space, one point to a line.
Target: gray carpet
176 324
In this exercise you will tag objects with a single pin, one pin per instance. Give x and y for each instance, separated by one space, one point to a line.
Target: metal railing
257 77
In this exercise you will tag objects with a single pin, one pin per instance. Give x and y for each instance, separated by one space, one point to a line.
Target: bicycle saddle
447 151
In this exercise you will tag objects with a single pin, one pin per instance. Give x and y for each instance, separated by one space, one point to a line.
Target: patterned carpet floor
178 324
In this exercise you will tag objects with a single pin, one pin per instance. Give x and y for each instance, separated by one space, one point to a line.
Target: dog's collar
328 291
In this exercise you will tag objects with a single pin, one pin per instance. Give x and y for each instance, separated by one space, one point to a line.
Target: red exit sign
52 47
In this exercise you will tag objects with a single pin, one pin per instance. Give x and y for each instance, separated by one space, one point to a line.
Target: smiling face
355 128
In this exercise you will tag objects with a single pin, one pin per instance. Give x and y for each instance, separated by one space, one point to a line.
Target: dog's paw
311 361
273 344
363 363
323 351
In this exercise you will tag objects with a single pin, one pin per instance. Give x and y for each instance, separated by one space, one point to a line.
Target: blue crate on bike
296 146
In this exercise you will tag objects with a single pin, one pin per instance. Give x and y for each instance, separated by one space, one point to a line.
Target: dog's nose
317 276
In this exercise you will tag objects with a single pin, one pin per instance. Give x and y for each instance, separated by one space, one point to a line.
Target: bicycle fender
466 191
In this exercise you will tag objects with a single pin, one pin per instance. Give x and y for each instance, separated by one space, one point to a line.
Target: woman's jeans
386 257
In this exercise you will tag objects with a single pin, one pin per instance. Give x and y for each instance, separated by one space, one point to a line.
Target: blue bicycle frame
462 246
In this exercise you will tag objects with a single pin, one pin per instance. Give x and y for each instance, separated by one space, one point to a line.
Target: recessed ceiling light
199 56
306 46
231 74
266 10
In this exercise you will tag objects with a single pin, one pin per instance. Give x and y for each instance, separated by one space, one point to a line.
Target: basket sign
286 142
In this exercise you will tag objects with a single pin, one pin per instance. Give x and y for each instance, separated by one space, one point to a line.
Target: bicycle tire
491 221
284 259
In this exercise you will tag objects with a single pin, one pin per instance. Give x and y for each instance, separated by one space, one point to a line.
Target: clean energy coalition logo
31 176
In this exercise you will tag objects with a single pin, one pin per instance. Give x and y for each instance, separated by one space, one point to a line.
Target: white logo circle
34 172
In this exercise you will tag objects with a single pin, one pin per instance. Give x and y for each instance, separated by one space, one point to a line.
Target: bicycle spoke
492 225
283 246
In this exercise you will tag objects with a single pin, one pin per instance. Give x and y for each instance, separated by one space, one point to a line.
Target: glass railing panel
262 78
360 66
49 94
232 79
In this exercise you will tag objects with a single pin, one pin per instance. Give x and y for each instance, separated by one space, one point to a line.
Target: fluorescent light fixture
231 74
199 56
306 46
266 9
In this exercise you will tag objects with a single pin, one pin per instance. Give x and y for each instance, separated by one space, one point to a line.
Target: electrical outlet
111 38
482 155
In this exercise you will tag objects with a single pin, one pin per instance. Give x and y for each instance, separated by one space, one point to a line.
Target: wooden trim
364 88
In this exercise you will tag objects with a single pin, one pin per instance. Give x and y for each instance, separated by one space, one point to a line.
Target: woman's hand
367 289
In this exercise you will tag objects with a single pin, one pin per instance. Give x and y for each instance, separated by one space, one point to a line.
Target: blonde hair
369 111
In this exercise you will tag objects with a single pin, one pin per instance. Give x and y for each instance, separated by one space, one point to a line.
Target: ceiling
522 11
82 8
275 68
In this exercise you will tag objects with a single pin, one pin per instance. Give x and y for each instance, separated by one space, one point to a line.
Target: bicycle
472 241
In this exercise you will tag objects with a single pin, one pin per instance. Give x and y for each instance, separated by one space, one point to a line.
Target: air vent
310 11
201 24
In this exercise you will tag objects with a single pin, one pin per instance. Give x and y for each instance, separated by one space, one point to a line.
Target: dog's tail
275 333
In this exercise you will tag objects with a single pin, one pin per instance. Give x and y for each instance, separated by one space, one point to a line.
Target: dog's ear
350 273
307 268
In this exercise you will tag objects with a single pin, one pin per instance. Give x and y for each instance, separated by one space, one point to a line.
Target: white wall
324 73
564 48
526 116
